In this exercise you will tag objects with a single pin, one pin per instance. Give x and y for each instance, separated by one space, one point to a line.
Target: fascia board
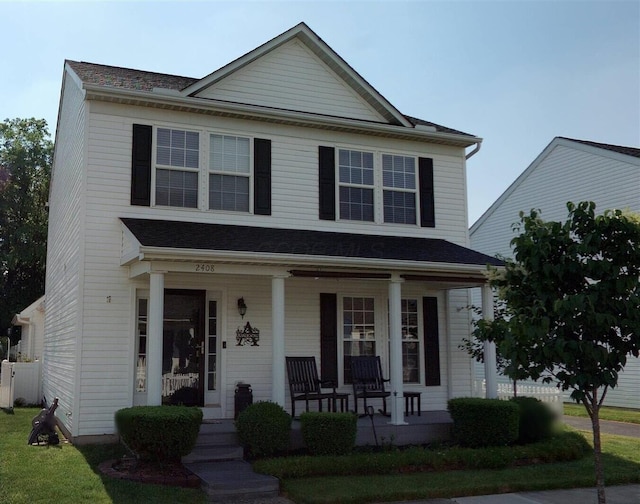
164 254
217 107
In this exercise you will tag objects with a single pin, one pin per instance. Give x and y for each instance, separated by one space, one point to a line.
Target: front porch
428 427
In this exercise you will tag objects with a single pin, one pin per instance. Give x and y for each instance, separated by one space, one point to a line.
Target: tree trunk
597 448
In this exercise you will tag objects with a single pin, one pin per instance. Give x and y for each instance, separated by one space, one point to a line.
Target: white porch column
277 329
395 354
490 369
154 339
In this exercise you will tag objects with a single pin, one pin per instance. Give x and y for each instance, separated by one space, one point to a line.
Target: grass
621 461
68 474
606 413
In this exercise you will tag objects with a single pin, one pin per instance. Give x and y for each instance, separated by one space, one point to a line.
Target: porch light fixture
242 307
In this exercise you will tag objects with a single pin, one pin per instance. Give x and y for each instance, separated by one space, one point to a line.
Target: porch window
141 337
177 165
356 185
358 333
229 173
212 345
399 193
410 342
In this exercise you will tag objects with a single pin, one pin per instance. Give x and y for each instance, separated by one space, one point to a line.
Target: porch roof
273 242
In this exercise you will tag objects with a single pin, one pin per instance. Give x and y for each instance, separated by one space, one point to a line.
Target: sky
515 73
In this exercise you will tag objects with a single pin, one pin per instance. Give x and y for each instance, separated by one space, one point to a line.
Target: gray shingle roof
229 238
629 151
140 80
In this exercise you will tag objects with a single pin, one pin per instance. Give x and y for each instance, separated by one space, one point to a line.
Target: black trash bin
243 398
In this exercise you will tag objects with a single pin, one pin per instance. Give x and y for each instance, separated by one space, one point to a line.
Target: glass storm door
183 354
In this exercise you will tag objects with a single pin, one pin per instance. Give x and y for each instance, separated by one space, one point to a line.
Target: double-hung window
229 173
356 185
399 189
410 342
358 330
177 160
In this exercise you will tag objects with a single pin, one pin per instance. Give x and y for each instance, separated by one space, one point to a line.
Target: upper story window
177 167
229 173
399 189
356 191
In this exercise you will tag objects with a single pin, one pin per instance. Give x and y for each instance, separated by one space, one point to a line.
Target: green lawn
606 413
67 474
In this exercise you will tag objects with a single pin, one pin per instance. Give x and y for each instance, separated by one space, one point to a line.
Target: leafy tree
25 168
572 294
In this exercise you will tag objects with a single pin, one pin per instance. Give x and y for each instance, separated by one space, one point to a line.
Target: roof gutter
474 151
217 107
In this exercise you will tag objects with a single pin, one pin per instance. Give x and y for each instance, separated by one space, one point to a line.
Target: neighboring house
200 230
31 322
568 170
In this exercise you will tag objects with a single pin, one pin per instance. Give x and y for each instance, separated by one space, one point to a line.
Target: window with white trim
229 173
177 167
410 342
399 189
356 185
358 330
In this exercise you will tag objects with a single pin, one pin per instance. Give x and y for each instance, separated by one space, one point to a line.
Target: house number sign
204 268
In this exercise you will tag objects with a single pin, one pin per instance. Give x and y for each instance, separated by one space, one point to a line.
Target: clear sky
516 73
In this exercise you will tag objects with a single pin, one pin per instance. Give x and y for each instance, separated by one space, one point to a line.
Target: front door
183 354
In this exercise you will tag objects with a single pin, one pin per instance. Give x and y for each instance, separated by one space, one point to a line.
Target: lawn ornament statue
44 426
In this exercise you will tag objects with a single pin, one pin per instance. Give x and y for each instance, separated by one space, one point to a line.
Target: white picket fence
545 393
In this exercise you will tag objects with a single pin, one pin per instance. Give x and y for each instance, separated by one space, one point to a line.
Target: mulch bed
170 474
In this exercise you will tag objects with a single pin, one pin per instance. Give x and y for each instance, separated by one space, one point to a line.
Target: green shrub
263 429
561 447
536 420
484 422
159 433
329 433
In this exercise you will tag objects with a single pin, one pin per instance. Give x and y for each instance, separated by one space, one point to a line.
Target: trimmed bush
159 433
263 429
536 420
329 433
484 422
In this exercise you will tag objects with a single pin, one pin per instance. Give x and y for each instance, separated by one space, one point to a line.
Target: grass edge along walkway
611 413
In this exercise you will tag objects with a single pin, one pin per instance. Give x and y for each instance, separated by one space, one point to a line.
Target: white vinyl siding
292 78
64 258
105 340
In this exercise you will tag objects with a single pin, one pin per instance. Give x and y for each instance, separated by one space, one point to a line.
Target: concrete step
211 438
214 453
233 480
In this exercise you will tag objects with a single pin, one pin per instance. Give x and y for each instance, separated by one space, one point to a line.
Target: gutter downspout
474 151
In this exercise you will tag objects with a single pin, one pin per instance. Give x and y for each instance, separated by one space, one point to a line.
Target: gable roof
261 243
618 151
160 85
317 46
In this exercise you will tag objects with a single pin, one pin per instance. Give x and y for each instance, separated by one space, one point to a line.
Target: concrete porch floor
428 427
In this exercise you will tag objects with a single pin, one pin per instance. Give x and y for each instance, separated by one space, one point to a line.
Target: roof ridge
622 149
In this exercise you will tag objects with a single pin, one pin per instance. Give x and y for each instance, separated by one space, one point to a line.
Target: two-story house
203 229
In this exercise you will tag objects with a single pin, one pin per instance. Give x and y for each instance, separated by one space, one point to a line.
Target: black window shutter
329 336
427 205
327 182
262 176
141 165
431 341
